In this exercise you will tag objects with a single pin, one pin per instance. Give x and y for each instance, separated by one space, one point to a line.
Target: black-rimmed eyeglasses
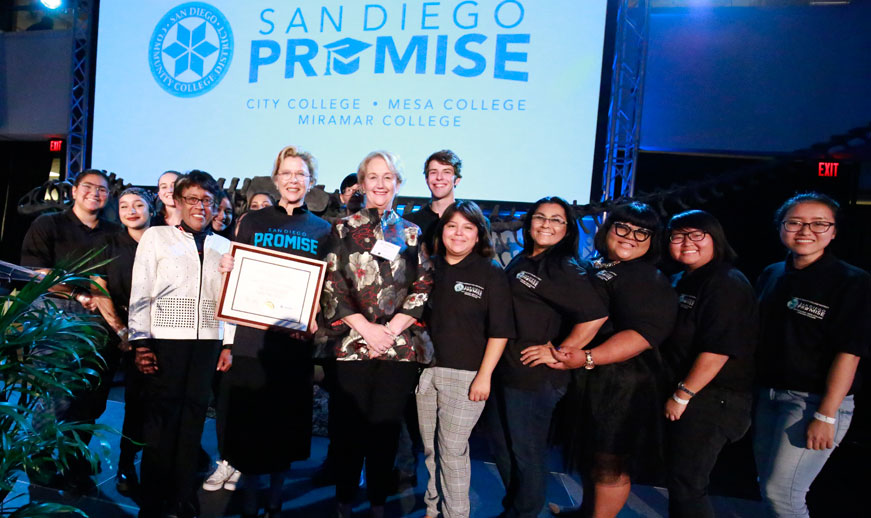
679 237
638 234
817 227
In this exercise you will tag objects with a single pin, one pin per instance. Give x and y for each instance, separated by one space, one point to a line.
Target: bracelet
680 401
681 386
589 364
226 347
824 418
122 332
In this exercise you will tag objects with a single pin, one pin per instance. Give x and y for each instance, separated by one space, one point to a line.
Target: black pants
367 408
134 410
177 397
714 418
87 405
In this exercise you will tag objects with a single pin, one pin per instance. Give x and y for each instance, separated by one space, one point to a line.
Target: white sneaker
230 484
223 473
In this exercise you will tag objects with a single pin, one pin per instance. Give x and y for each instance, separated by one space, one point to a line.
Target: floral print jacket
360 282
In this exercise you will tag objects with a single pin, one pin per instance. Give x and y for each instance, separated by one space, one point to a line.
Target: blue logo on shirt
280 240
191 49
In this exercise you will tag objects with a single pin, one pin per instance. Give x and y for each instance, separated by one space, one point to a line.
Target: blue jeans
519 422
786 467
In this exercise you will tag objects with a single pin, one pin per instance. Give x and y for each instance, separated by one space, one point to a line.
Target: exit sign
54 146
827 169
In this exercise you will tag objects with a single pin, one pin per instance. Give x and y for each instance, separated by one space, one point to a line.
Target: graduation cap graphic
342 55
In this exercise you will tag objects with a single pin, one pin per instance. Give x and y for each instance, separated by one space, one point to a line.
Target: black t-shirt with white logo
470 302
808 316
550 297
638 297
717 313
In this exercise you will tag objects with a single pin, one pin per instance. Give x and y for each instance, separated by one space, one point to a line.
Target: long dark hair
706 222
568 245
638 214
472 212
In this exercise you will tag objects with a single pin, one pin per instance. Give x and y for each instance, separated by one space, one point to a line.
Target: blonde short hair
393 163
293 151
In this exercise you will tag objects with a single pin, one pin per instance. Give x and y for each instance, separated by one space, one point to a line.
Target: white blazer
172 295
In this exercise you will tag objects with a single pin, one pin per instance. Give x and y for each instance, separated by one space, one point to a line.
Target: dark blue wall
756 80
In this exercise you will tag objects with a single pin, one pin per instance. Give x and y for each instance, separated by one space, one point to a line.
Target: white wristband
122 333
824 418
680 401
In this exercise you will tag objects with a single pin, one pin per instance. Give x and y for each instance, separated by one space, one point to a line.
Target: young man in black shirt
442 173
56 240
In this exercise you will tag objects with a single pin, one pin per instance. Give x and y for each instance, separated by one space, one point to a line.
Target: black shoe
125 480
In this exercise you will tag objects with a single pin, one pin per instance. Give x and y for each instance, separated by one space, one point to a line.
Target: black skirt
265 408
610 422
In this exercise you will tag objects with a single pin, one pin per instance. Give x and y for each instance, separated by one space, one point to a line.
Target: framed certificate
269 289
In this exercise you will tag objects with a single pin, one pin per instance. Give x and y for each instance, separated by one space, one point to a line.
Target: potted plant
46 354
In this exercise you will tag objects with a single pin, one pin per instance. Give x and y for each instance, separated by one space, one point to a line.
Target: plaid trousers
446 417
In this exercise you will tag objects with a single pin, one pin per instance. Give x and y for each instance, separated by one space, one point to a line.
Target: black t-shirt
119 251
550 297
61 237
301 233
638 297
470 302
426 219
717 313
808 316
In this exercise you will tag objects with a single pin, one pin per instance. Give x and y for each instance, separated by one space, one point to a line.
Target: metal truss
77 137
627 94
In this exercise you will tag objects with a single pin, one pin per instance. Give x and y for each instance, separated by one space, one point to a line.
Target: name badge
385 250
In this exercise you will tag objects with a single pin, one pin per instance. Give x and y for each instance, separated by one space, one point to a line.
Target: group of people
637 376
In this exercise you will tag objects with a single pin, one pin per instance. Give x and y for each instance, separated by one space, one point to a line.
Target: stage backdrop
512 86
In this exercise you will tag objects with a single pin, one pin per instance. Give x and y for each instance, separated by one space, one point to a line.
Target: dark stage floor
303 500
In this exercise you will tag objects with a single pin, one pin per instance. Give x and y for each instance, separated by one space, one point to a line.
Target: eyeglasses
89 187
541 219
817 227
299 176
639 234
679 237
193 201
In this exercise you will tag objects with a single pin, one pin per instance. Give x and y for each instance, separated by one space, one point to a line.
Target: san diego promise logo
190 49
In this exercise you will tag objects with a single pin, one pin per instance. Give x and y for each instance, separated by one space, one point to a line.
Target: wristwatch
589 364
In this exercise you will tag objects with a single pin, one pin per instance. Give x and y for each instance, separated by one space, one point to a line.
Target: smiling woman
814 310
177 342
709 359
470 317
617 428
377 285
555 306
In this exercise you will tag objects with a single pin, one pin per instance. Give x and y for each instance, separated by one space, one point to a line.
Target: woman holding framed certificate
265 401
377 283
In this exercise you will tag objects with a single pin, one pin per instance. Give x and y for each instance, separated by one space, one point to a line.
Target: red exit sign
827 169
55 145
